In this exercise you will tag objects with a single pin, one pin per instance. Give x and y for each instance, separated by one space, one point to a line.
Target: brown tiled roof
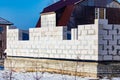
60 4
38 23
63 19
68 6
66 15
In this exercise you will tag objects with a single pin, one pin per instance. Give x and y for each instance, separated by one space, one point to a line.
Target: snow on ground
5 75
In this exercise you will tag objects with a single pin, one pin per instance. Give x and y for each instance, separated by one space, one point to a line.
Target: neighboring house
3 25
72 13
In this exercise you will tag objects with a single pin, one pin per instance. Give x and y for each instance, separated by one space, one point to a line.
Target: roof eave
7 24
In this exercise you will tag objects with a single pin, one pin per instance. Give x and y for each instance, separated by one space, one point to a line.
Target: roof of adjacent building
5 22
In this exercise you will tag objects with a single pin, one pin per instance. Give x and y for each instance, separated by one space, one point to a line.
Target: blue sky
23 13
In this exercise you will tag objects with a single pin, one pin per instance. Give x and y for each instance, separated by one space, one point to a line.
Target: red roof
69 6
66 15
60 4
38 23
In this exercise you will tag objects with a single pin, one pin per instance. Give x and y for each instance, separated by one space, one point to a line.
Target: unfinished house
75 37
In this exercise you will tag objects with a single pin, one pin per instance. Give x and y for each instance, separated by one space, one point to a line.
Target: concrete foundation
77 68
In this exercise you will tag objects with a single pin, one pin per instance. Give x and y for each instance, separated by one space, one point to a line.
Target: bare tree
38 75
8 75
62 67
76 67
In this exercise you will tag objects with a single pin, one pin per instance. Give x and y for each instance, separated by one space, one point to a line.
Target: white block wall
98 41
48 19
51 43
47 33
